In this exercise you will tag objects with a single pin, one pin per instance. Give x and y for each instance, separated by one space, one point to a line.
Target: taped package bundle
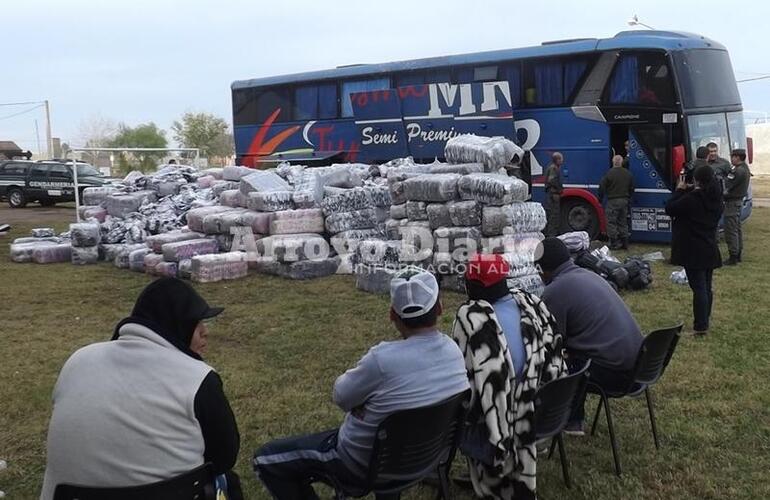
97 195
85 255
205 181
531 283
156 241
195 216
270 201
464 213
308 190
343 175
492 189
292 247
347 200
576 241
308 220
397 185
215 172
123 256
301 270
166 269
223 266
379 194
122 204
461 168
345 221
85 234
493 152
43 232
438 215
449 239
416 210
516 217
151 261
136 259
378 253
346 242
262 181
221 222
174 252
398 211
513 243
233 198
219 187
432 187
375 279
259 222
98 213
233 173
48 254
22 252
184 268
108 251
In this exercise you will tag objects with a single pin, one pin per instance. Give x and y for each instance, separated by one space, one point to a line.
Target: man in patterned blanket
511 347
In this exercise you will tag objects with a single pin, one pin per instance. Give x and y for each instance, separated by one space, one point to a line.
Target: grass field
760 186
280 344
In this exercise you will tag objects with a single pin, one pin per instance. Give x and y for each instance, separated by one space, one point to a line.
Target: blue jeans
702 296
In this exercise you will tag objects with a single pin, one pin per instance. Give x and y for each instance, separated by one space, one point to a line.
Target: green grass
280 345
760 186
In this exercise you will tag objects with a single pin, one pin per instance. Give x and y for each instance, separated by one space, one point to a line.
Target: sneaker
574 429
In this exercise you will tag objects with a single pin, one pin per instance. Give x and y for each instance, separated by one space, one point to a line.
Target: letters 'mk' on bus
661 93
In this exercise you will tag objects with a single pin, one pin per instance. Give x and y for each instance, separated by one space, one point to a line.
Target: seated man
496 329
423 368
594 320
144 407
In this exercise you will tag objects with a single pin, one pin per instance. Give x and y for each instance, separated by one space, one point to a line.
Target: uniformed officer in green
736 188
553 190
618 185
720 165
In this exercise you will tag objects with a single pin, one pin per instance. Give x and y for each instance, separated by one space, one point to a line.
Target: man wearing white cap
423 368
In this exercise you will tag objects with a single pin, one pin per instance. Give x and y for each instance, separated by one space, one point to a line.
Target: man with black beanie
143 407
594 320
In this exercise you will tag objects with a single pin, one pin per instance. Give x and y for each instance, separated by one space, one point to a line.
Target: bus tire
16 198
579 215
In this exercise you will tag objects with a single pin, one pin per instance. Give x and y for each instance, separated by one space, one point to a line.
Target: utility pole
48 140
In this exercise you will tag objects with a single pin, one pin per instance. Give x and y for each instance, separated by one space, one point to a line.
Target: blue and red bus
662 93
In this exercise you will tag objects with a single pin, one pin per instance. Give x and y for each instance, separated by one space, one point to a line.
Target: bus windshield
706 78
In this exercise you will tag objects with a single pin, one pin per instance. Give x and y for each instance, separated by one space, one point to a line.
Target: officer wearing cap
424 367
143 407
736 188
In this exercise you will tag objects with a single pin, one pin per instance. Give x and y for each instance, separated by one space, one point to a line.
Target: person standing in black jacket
696 210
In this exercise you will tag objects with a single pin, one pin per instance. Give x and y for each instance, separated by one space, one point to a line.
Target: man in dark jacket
594 320
618 185
701 159
553 191
143 407
695 212
736 188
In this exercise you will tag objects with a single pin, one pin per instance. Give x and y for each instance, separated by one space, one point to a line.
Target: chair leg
443 484
651 409
614 443
551 448
564 463
598 412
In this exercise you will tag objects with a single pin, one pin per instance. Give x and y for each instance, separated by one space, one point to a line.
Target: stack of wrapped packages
42 247
85 237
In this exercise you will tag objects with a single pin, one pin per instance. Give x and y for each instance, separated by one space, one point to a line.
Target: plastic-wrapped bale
576 241
343 175
108 251
174 252
375 279
451 239
263 181
432 187
416 210
123 256
465 213
224 242
48 254
379 252
438 215
399 211
259 222
87 212
233 173
223 266
205 181
348 264
221 222
195 216
531 283
379 194
514 243
166 269
308 191
32 239
493 152
219 187
308 220
84 255
270 201
291 173
292 247
156 241
43 232
346 242
517 217
492 189
345 221
233 198
22 252
85 234
309 269
397 185
347 200
462 168
169 188
215 172
122 204
97 195
136 259
184 269
151 261
418 231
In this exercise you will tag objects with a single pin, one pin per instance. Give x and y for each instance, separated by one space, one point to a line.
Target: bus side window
355 86
485 73
641 78
271 100
574 69
543 82
437 76
407 79
512 73
313 102
464 75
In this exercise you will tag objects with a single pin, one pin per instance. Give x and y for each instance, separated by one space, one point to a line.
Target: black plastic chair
198 484
553 406
412 444
654 355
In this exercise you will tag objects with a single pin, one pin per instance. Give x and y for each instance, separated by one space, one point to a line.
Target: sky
144 61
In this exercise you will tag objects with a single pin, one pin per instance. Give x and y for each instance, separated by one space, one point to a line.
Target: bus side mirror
677 161
750 149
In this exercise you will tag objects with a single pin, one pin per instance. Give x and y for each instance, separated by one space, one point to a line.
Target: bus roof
636 39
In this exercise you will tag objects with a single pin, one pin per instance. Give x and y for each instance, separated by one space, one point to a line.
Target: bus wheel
579 215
